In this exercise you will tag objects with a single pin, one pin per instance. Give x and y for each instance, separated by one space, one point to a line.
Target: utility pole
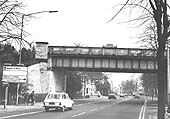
168 78
21 39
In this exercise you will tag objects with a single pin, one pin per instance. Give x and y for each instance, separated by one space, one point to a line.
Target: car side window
64 96
67 97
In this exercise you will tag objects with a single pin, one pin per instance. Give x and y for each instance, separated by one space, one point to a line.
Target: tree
73 83
157 11
148 37
101 81
27 57
103 85
150 84
8 54
128 86
11 23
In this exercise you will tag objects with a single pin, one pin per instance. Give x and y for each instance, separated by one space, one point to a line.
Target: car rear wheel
46 109
71 108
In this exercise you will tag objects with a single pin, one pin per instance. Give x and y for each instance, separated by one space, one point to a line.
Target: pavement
150 112
11 108
152 108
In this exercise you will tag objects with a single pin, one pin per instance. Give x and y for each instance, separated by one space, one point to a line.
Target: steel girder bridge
103 59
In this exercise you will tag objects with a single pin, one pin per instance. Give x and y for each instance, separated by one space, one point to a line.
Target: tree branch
8 13
119 10
152 6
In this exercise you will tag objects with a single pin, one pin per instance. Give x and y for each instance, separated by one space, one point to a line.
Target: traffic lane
77 102
77 109
130 109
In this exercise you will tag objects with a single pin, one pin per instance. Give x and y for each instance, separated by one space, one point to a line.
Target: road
123 108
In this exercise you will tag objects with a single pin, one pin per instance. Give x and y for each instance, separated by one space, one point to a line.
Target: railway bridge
97 59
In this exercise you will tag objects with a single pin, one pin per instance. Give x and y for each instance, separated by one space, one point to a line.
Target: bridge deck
103 59
71 50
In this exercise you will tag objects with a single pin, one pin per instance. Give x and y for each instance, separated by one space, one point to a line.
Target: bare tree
157 11
10 22
148 37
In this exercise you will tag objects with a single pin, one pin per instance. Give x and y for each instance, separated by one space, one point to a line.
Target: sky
79 21
82 22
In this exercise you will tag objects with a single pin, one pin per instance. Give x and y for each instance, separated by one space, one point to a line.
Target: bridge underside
105 64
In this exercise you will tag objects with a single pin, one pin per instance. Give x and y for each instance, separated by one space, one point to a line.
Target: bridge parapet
106 51
109 59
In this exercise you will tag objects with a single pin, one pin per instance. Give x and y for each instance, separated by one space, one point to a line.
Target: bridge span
104 59
97 59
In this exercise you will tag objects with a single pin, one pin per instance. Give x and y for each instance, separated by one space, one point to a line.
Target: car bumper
52 106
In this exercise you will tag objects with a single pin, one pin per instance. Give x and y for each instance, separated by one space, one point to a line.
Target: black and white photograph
85 59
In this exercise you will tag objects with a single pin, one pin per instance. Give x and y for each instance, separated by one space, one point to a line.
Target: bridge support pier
57 80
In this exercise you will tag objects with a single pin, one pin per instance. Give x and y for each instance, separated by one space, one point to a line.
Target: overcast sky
80 21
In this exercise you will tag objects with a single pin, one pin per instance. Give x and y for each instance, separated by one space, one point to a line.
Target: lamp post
22 26
21 35
168 78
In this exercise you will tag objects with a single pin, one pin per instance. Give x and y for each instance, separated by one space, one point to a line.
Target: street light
168 78
22 26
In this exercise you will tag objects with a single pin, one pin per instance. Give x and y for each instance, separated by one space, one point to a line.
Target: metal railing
71 50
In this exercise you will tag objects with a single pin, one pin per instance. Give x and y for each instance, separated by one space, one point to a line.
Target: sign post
41 50
13 74
6 96
5 84
17 93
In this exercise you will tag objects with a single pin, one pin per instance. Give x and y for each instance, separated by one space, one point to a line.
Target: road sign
15 74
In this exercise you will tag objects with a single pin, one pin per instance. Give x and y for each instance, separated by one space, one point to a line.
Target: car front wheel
63 109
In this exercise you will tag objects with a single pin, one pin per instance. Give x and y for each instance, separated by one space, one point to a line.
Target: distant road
123 108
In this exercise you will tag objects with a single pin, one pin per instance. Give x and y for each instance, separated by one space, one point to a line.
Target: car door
66 100
69 101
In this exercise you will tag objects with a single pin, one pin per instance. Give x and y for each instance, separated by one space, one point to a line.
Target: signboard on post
41 50
14 74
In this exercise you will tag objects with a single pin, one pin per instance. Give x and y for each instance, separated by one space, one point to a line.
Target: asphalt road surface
123 108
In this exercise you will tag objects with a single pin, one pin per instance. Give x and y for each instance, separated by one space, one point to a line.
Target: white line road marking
6 117
143 117
88 103
79 114
29 113
17 115
93 110
142 112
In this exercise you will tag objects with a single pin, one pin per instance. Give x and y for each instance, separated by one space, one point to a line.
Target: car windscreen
54 96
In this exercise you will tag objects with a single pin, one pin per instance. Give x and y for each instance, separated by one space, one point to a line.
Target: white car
58 100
